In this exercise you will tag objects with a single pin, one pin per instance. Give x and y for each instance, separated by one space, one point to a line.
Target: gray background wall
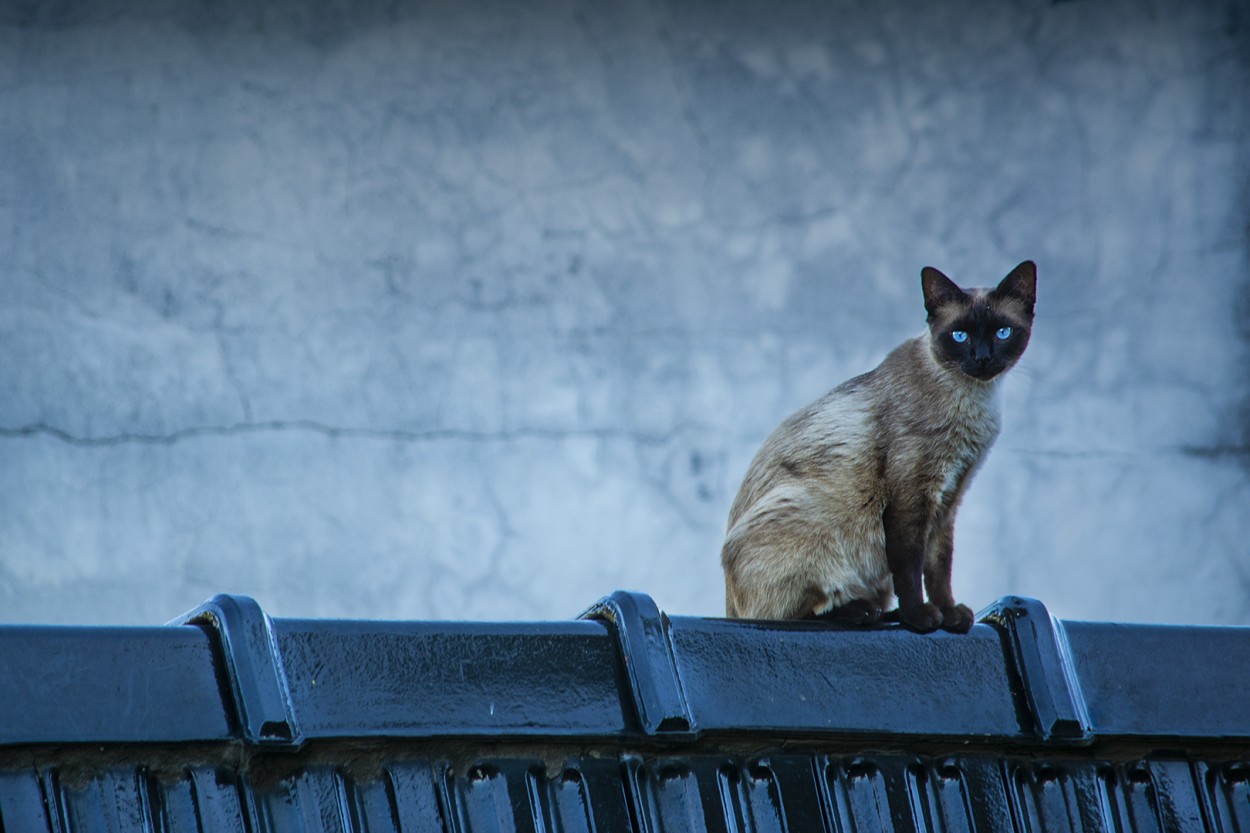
447 310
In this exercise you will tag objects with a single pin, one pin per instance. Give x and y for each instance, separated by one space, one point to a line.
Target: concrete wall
473 310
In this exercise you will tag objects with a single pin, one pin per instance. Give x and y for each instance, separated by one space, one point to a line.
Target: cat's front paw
923 618
957 619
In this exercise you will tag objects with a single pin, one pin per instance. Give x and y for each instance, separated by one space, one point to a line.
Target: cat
852 500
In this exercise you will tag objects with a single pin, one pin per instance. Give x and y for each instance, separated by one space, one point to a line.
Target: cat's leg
956 617
905 548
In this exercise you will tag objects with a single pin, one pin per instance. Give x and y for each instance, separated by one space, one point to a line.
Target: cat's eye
960 336
1003 333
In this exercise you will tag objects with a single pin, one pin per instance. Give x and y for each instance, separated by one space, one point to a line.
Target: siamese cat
852 500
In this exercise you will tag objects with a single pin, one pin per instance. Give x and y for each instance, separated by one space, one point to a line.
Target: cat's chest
962 443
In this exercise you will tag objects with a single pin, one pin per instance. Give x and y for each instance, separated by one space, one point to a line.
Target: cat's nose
981 354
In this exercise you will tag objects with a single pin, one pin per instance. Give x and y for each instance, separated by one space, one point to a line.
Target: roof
623 719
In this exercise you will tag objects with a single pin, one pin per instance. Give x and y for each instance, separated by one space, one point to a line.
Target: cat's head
980 332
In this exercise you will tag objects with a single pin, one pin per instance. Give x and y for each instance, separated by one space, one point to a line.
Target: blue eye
1003 333
959 335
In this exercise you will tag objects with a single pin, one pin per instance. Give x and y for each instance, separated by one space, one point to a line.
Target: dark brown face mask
978 332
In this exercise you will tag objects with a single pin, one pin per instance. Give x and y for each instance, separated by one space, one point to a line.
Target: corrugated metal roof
684 792
623 720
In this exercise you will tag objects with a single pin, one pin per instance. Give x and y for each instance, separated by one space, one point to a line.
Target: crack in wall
306 426
1217 452
346 432
1212 452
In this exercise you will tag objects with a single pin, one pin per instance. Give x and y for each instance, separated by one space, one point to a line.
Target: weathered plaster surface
480 310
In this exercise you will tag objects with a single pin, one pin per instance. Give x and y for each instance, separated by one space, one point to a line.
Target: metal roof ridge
624 671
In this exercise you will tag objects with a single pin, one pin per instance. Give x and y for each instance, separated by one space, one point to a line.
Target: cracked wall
480 311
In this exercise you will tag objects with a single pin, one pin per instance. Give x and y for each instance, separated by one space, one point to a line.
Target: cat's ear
1020 283
938 290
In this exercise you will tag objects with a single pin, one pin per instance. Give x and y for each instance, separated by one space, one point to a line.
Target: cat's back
816 449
